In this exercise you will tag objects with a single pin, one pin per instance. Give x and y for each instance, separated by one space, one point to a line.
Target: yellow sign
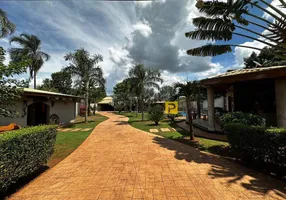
171 107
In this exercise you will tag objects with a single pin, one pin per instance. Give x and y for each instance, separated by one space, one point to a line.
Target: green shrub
260 146
23 151
243 118
172 117
156 114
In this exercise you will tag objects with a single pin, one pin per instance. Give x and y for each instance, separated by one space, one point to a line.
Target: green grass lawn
67 142
209 145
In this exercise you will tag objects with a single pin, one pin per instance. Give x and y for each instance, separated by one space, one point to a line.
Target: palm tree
224 20
190 90
86 70
30 49
143 78
6 26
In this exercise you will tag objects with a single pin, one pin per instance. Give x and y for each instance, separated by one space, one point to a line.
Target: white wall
66 110
22 121
218 102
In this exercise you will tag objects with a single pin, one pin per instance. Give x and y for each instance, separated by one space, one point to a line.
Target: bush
242 118
259 146
172 117
24 151
156 114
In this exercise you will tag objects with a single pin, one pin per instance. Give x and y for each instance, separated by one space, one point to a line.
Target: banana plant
223 20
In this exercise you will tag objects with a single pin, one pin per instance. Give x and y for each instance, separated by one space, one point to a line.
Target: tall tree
190 91
124 93
167 93
227 19
141 79
62 81
84 68
30 49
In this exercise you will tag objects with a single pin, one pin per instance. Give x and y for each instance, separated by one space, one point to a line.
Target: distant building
106 104
40 107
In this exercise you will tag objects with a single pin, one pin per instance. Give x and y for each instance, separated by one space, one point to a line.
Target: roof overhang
245 75
29 92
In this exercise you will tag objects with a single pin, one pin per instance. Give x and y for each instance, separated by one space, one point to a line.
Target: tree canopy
223 20
266 58
60 82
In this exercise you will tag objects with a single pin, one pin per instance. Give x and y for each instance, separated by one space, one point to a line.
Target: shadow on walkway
226 171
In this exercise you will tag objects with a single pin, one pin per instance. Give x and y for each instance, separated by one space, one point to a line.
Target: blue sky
124 33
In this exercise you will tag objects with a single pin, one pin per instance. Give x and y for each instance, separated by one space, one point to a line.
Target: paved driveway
120 162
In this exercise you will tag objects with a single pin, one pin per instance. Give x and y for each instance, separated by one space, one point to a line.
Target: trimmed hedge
257 145
243 118
24 151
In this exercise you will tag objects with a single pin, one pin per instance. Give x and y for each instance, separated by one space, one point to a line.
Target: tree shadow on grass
20 183
226 171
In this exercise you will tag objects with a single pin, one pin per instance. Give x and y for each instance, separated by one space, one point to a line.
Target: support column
280 93
211 111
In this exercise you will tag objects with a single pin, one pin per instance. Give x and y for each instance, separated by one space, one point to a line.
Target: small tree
156 114
190 91
141 79
84 67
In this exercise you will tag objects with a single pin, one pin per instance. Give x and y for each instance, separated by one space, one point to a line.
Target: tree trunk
142 109
190 119
137 107
35 80
94 108
199 107
130 106
86 102
89 106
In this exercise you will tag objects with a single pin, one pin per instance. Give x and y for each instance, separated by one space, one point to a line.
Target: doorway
37 114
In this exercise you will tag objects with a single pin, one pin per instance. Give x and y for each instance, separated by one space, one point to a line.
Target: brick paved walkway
120 162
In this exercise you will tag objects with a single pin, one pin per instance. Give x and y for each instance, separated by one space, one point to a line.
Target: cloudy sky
124 32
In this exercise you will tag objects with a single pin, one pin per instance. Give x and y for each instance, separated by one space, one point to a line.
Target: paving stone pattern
118 161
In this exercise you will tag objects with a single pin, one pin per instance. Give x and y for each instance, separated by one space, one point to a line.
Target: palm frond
7 27
217 24
44 55
219 8
209 35
209 50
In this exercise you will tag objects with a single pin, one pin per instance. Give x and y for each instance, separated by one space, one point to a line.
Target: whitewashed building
41 107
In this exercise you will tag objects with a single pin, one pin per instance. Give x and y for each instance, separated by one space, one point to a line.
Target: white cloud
143 3
171 78
215 69
143 28
276 4
241 52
